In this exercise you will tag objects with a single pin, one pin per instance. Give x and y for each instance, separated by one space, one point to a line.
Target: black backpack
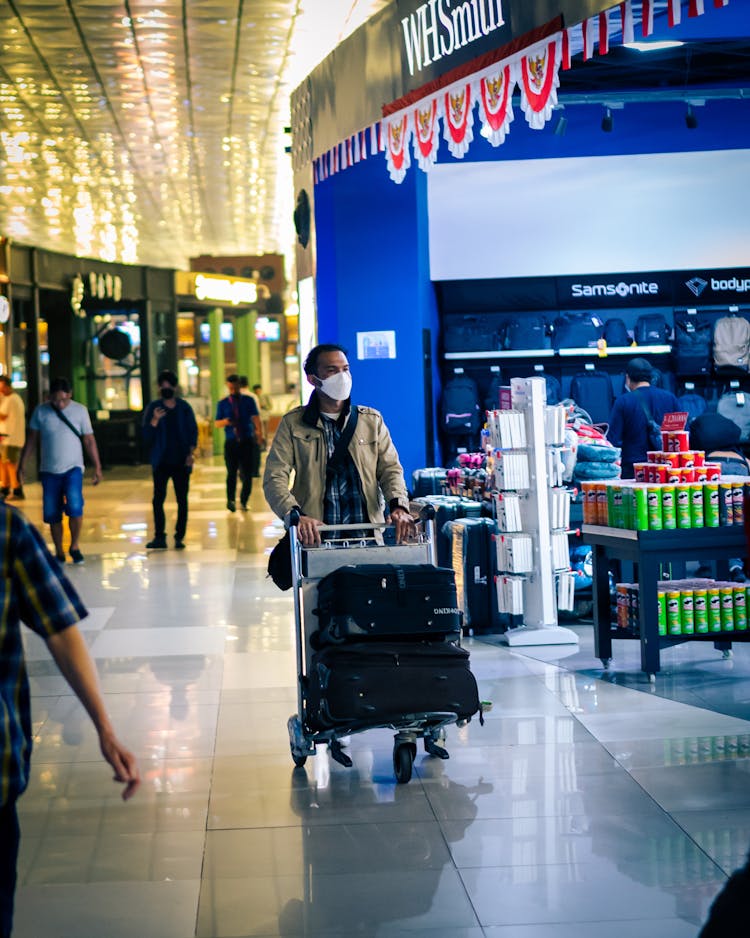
460 406
651 329
592 392
692 346
577 330
616 333
526 331
469 334
653 427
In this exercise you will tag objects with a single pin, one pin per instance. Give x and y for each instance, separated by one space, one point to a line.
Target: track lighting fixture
607 121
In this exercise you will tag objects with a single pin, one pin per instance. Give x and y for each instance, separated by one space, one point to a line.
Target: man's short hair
167 376
233 379
257 387
59 384
243 381
4 379
311 362
638 369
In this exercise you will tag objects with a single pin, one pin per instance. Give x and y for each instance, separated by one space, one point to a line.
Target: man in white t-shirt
65 429
12 438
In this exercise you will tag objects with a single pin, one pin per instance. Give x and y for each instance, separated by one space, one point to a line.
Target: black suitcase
448 508
428 481
387 601
380 684
473 560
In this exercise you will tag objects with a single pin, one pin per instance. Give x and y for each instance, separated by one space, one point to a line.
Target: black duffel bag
387 601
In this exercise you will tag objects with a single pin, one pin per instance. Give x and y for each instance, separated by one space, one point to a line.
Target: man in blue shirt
36 591
238 415
628 423
171 430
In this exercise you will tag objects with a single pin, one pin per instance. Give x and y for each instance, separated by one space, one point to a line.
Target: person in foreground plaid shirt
35 590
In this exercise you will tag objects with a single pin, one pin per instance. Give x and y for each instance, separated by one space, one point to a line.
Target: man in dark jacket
238 415
170 429
628 422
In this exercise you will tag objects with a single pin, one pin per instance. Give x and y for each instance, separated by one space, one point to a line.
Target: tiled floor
583 807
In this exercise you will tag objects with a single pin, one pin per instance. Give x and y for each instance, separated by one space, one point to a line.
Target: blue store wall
372 274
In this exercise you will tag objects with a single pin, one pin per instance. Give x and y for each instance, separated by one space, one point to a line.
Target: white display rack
540 627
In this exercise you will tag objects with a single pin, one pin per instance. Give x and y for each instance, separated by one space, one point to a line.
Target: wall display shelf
650 550
631 350
540 626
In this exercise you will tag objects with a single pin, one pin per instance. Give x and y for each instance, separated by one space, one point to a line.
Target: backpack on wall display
554 390
691 347
469 334
736 407
651 329
460 406
577 330
732 342
616 333
526 331
592 392
693 405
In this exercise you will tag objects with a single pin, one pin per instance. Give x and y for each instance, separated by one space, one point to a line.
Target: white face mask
338 387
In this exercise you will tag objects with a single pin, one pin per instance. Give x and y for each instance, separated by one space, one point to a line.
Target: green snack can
640 503
738 503
668 507
696 505
726 594
687 613
655 521
615 512
661 597
682 494
627 507
711 504
674 624
700 610
740 608
611 506
714 609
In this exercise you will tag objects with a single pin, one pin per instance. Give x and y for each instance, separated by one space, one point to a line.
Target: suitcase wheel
403 760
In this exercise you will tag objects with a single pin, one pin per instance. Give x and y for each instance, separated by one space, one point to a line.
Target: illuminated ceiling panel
151 131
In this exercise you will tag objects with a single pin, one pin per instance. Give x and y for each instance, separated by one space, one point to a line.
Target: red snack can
671 459
665 440
713 471
674 476
659 473
687 458
654 455
700 474
680 441
700 458
641 471
688 474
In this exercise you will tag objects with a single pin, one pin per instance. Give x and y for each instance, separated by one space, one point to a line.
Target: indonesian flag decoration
426 134
721 3
604 33
458 119
540 78
566 49
626 14
647 17
587 28
496 105
397 157
695 8
674 12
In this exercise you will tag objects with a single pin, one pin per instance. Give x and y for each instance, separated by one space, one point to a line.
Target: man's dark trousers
9 839
239 455
180 476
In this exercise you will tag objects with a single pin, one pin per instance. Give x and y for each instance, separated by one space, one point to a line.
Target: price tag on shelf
676 421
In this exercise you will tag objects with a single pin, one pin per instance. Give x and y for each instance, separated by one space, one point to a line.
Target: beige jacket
295 471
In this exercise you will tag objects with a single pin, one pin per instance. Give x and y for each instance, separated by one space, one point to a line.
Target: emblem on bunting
397 147
458 119
425 134
540 78
496 111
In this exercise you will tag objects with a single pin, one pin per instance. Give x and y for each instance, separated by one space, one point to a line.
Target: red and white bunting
674 12
587 28
604 32
566 49
695 8
539 80
458 119
647 17
496 104
426 133
396 131
626 14
721 3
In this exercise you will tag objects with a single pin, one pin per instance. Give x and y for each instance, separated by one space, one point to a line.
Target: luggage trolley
309 566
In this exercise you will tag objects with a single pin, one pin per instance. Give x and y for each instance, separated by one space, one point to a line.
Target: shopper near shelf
628 423
12 438
351 487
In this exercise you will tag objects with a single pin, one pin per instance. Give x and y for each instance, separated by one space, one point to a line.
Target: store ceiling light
653 46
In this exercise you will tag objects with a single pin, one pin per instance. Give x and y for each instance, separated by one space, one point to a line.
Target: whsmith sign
439 28
437 35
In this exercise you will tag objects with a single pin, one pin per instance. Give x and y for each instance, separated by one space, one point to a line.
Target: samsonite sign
713 287
613 290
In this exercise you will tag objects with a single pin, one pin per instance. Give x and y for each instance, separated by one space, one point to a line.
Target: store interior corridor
583 807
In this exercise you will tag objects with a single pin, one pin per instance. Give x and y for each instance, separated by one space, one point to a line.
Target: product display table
650 551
